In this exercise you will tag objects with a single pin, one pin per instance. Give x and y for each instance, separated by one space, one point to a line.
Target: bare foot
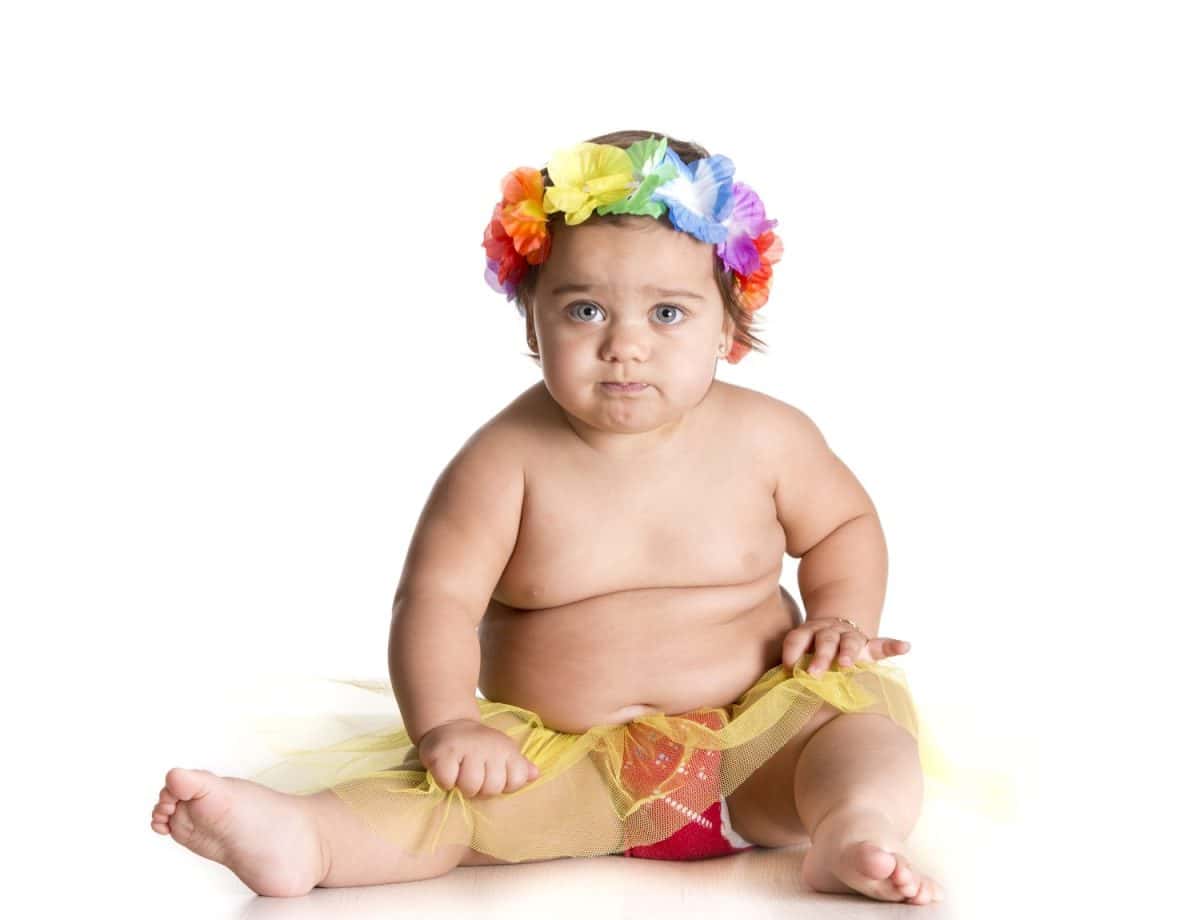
855 850
269 839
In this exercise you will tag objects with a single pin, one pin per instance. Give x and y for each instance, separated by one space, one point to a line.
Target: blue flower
700 196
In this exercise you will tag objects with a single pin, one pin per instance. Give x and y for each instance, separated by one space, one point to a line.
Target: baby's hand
475 758
827 637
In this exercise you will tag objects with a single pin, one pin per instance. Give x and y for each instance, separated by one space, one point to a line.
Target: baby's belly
609 659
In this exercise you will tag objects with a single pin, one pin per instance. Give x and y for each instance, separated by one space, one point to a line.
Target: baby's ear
727 332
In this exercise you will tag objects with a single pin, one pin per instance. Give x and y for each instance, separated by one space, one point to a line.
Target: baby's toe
903 878
924 895
160 819
186 784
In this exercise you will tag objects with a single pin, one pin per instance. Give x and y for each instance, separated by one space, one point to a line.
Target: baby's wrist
848 622
475 719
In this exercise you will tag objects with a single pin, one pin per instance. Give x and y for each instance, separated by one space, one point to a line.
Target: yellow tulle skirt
609 789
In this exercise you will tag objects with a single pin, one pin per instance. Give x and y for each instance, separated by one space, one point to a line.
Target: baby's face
598 317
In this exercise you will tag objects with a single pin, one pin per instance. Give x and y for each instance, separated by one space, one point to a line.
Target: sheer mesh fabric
599 792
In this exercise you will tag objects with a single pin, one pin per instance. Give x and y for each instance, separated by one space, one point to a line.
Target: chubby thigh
568 811
559 819
763 808
568 815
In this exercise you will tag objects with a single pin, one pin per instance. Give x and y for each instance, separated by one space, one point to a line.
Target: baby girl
602 561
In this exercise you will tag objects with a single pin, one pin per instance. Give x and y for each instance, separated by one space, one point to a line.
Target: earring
721 349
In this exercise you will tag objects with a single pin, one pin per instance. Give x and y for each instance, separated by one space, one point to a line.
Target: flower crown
648 179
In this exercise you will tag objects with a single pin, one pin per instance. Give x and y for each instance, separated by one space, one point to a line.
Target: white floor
949 843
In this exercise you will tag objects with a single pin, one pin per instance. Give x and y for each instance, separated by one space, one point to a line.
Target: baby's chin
645 412
658 406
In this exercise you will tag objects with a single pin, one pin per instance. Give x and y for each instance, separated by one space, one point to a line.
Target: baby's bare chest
588 532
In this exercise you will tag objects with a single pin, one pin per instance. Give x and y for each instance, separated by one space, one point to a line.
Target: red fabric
650 759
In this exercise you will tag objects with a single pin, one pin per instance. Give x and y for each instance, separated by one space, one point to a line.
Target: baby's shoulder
738 400
521 427
771 424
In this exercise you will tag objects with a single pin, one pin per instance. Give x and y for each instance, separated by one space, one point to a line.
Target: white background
245 326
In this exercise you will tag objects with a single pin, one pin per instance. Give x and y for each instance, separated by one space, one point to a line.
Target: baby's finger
471 775
852 645
795 644
886 648
495 778
824 646
518 774
445 772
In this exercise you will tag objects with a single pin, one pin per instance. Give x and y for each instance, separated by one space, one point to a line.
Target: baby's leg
858 787
284 845
357 855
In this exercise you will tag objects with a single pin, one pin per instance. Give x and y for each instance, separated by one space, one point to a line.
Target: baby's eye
671 312
668 314
574 310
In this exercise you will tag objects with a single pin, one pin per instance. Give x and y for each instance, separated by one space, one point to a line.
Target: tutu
624 788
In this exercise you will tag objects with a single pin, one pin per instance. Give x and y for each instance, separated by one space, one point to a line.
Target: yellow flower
585 177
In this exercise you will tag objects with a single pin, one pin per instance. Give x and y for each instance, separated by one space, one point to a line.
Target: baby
602 561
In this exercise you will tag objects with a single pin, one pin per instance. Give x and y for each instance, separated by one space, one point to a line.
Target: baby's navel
629 713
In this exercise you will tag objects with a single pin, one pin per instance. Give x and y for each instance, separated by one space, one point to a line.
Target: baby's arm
831 524
461 544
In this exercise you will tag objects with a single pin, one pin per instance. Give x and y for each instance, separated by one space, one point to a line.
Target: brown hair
689 153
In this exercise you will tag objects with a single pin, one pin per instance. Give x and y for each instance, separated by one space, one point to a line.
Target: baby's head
632 257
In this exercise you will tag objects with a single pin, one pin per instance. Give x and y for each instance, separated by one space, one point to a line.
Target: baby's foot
269 839
857 851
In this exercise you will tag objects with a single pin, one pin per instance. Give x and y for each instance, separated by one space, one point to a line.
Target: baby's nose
624 343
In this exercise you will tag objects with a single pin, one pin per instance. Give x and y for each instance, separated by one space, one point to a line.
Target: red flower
737 351
516 236
756 286
509 264
522 215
